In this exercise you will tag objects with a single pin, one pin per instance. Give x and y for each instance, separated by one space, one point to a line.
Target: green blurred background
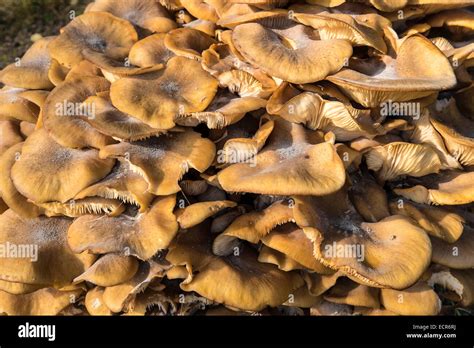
22 20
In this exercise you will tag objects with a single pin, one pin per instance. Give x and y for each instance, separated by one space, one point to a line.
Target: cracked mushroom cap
49 260
142 236
447 188
236 281
97 31
393 252
46 171
147 14
293 161
64 113
405 78
419 299
110 270
157 98
31 71
299 59
46 301
163 161
398 158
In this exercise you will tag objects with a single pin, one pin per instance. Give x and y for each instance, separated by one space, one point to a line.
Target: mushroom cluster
241 157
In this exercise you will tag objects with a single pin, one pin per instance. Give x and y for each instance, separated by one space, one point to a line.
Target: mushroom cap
46 171
419 299
398 158
32 69
284 263
293 161
459 281
94 302
110 270
148 14
348 292
99 31
401 79
142 236
158 98
14 106
88 205
188 42
121 183
309 61
11 135
458 254
163 161
447 188
55 265
196 213
64 113
237 281
46 301
150 51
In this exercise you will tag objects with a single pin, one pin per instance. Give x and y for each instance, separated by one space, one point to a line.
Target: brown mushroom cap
293 161
14 106
196 213
237 281
163 161
47 171
147 14
31 71
142 236
89 205
348 292
158 98
401 79
419 299
94 302
457 255
188 42
55 264
150 51
308 60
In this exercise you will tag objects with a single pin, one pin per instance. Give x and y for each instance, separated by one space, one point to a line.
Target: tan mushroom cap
110 270
14 106
393 252
19 288
419 299
236 281
46 301
252 227
188 42
142 236
437 222
31 71
319 284
121 183
88 205
315 112
308 60
368 198
196 213
94 302
293 161
446 188
54 264
163 161
292 241
46 171
158 98
114 123
99 31
224 110
458 21
150 51
10 195
10 135
457 255
120 297
148 14
237 150
284 263
64 113
388 5
401 79
348 292
399 158
343 26
204 9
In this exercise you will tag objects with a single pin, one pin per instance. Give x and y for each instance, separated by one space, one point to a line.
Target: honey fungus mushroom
242 157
